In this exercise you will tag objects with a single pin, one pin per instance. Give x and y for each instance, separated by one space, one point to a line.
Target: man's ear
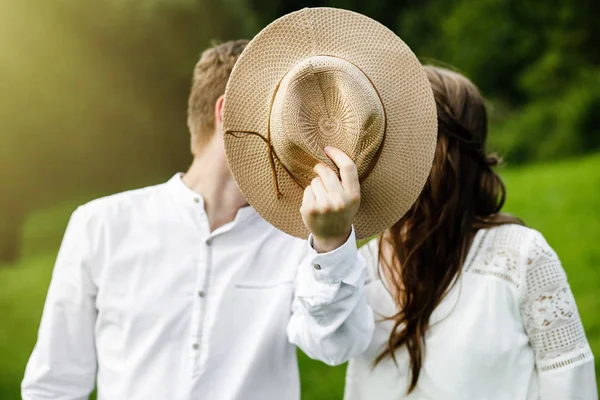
219 110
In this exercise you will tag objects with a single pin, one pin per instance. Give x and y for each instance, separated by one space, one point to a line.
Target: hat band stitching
271 153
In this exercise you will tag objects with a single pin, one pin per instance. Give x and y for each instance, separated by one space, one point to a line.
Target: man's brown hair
211 74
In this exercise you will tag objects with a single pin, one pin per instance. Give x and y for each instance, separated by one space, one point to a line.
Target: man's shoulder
120 205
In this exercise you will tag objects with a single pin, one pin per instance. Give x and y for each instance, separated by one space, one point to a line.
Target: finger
319 191
347 168
329 178
309 198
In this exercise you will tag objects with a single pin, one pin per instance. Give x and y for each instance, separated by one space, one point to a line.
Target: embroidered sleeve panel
549 311
499 253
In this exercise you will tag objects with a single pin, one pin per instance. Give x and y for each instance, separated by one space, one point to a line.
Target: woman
471 303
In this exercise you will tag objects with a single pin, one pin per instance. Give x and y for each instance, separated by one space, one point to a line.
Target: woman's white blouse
507 329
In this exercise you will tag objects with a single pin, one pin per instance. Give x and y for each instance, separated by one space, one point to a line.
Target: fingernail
327 148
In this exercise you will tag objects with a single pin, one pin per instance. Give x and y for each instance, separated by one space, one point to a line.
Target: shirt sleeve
564 360
63 362
331 320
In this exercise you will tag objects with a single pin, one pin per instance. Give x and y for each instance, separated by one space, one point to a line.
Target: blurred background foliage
94 93
93 100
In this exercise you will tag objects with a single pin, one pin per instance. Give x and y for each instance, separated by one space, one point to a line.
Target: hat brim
402 169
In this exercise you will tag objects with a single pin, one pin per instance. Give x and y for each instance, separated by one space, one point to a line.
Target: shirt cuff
335 265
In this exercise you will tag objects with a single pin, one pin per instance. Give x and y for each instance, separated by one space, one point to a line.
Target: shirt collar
182 193
187 196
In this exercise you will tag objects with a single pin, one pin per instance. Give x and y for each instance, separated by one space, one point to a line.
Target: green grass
562 200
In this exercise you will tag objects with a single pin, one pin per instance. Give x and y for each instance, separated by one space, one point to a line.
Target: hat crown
326 101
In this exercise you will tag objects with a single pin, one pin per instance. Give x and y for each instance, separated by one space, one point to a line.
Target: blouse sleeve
370 252
564 360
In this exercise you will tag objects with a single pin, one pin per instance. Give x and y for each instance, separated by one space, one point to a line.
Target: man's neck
212 179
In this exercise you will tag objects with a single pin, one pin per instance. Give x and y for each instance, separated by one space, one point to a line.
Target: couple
184 291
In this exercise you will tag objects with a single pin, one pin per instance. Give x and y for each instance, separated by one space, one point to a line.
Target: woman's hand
330 204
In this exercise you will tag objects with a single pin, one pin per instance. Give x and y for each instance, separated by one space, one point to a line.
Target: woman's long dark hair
430 243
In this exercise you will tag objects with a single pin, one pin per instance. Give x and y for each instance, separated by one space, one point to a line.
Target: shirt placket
198 339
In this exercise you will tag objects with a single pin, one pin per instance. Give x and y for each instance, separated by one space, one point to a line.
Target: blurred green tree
94 93
94 96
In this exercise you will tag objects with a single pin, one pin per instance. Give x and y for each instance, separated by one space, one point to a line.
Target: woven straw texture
324 76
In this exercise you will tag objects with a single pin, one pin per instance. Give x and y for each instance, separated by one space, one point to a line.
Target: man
182 291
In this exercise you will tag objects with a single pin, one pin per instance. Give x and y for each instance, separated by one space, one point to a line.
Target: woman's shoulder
508 234
518 239
513 253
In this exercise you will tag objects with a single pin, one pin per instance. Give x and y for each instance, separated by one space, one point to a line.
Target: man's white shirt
151 304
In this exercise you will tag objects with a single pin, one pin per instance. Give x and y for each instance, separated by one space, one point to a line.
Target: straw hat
329 77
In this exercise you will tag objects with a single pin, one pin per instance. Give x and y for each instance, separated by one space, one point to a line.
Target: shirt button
317 267
208 242
201 293
196 346
196 200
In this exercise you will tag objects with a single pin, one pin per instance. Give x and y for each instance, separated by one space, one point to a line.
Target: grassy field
561 200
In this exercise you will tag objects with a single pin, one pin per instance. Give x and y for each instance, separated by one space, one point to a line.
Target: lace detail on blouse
549 310
522 258
498 254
